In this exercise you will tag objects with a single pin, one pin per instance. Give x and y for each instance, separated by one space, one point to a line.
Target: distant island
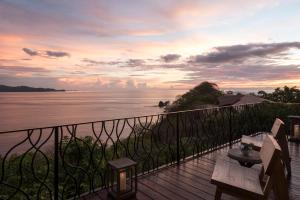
5 88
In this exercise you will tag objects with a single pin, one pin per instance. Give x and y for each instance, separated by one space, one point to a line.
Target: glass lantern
122 179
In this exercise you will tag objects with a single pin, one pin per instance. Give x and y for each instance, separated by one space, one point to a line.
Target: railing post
56 163
230 127
177 139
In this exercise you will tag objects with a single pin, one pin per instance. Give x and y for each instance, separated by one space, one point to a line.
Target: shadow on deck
191 180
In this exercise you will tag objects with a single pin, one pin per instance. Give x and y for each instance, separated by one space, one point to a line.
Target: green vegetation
5 88
206 93
82 166
284 95
162 104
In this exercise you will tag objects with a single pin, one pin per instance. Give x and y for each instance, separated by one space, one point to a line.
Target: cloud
241 55
130 84
170 57
117 19
254 61
244 63
137 75
239 63
92 62
47 53
128 63
139 64
30 52
135 62
237 52
142 65
57 54
23 69
95 62
246 72
78 72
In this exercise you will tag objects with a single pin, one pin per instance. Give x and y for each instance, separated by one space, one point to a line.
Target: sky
149 44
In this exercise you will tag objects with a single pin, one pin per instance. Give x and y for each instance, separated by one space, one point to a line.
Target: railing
69 161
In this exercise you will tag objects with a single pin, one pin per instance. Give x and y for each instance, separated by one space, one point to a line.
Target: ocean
43 109
26 110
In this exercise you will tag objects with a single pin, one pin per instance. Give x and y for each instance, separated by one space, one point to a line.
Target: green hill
5 88
204 94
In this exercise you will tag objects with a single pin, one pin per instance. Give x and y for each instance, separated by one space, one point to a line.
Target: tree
162 104
284 95
262 94
203 94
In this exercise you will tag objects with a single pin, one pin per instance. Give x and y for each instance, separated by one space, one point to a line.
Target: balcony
175 153
191 179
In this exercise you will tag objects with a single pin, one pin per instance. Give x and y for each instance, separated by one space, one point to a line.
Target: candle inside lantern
297 131
123 181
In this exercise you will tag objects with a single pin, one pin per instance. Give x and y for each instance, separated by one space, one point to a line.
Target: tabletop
248 160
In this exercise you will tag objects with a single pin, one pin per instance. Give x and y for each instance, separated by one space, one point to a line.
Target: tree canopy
284 95
206 93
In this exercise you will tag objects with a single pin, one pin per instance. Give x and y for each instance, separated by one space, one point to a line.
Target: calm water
34 110
30 110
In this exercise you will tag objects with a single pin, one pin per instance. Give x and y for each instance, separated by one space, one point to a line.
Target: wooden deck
191 180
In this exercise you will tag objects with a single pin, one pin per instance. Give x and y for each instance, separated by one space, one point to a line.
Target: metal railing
68 161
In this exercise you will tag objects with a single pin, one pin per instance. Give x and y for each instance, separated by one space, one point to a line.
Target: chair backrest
278 131
278 128
273 167
270 154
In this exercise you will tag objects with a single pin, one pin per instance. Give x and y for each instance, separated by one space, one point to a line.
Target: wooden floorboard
191 180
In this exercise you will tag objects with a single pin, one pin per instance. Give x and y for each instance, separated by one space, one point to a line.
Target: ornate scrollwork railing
67 161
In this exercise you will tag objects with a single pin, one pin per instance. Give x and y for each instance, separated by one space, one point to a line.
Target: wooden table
245 160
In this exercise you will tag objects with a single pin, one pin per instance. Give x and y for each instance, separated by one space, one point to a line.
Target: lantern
294 128
122 180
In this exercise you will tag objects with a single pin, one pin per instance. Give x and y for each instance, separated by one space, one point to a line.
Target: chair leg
288 167
218 194
280 184
283 143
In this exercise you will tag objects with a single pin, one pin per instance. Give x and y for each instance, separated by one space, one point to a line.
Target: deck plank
191 180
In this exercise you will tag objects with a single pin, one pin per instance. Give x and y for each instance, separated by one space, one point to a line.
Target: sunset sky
153 44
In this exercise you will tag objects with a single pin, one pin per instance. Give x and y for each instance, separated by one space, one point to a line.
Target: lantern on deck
122 180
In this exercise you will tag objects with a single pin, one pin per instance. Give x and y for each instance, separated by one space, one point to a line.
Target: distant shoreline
5 88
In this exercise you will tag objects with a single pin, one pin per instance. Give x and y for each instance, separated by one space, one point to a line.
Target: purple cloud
47 53
237 52
30 52
57 54
170 58
135 62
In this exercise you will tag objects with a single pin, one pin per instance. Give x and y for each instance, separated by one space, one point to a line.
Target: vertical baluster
230 127
56 163
177 139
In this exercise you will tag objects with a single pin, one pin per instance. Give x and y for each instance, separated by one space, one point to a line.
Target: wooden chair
278 132
248 183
